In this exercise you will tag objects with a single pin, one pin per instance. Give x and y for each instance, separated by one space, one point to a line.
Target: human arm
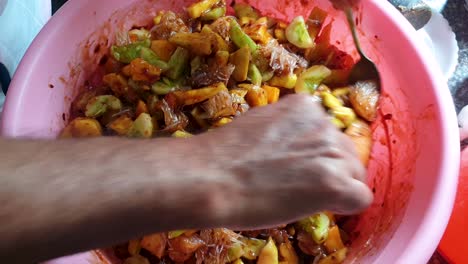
61 197
274 165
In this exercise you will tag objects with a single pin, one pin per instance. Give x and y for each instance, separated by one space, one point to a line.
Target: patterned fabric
456 14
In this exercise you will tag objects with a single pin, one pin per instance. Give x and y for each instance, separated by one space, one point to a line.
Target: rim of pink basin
431 230
427 236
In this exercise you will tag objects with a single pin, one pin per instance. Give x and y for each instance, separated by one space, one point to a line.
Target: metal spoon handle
352 25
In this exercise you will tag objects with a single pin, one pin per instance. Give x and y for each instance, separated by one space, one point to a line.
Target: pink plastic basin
415 158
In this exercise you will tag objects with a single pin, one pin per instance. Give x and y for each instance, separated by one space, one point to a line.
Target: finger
350 154
303 105
346 143
335 146
356 199
357 169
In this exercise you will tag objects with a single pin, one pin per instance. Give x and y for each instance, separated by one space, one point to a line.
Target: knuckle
301 100
330 171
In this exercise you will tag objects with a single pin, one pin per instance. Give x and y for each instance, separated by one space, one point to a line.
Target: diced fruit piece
266 76
197 9
223 121
155 244
310 79
192 97
338 77
335 258
139 34
119 86
364 98
345 114
218 43
286 81
178 63
163 48
339 92
164 86
150 56
315 22
333 242
121 125
256 96
98 105
297 34
280 35
330 101
252 247
245 10
235 251
361 134
82 128
176 233
200 117
254 75
269 253
134 247
317 226
240 59
338 123
129 52
195 42
182 247
288 254
222 58
239 37
180 134
141 70
214 14
142 127
258 31
273 93
141 108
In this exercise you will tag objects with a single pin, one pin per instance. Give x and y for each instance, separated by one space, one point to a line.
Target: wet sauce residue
428 113
387 118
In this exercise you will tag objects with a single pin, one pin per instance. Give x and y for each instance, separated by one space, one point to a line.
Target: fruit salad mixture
192 72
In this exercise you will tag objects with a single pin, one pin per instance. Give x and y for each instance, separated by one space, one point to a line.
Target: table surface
456 13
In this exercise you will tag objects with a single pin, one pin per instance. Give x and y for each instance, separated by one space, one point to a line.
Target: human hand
283 162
